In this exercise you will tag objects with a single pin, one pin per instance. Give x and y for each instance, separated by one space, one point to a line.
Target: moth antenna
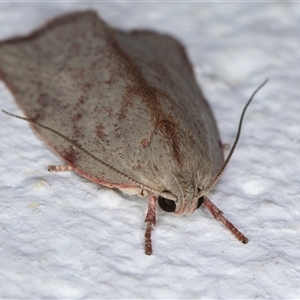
86 152
217 177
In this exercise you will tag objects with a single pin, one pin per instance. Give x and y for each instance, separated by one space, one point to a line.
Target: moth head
181 206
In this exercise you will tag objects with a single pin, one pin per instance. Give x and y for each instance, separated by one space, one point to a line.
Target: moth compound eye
166 204
200 201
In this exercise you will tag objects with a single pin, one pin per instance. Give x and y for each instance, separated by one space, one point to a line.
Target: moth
122 109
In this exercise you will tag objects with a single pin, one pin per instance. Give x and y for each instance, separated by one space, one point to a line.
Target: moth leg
60 168
218 214
151 221
225 146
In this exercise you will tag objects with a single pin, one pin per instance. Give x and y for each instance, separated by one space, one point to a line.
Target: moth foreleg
59 168
151 220
218 214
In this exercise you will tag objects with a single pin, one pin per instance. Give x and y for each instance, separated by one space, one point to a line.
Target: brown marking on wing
99 131
126 105
166 126
169 132
88 85
139 87
145 142
151 96
71 155
76 117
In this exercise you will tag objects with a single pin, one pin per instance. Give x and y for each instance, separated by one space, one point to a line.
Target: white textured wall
64 237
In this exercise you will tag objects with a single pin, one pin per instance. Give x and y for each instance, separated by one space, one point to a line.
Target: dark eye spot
166 204
200 201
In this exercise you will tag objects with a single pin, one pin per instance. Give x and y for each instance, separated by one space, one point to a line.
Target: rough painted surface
63 236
